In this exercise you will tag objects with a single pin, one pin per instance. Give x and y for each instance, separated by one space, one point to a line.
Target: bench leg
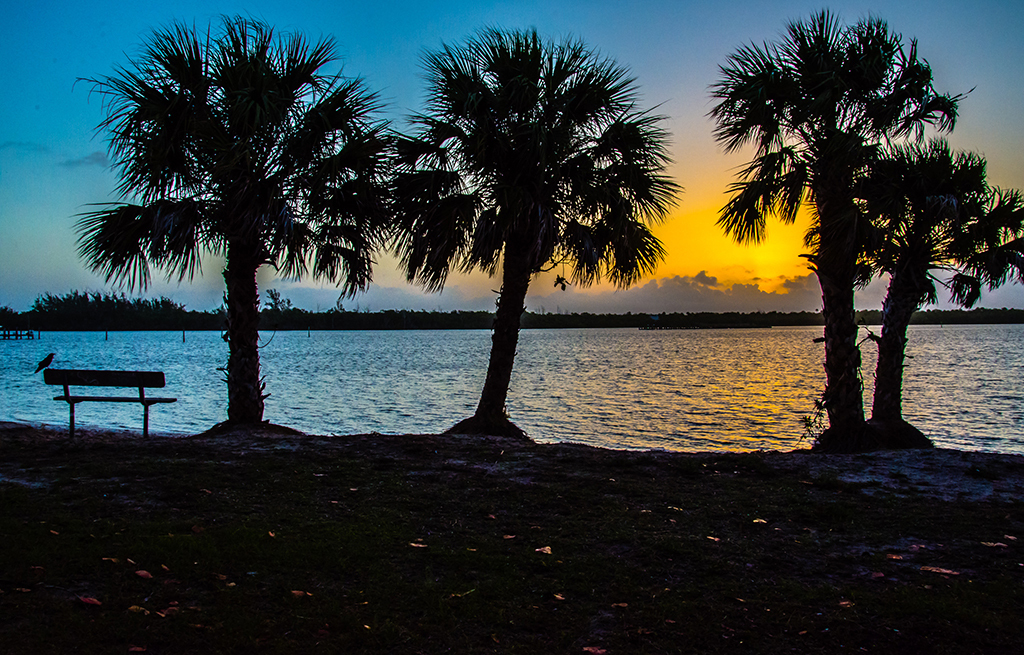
71 432
145 421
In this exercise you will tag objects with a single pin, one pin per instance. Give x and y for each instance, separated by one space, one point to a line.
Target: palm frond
522 138
236 136
816 105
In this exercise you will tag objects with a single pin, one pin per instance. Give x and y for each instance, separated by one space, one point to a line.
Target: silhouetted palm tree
815 106
529 154
936 212
239 144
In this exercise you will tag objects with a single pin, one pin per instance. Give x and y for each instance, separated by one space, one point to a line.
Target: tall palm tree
239 144
529 154
815 106
936 212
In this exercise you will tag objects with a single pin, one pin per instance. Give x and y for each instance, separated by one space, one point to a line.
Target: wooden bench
139 379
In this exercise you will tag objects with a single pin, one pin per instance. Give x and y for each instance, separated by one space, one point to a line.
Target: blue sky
53 163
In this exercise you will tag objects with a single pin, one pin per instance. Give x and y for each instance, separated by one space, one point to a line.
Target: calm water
679 389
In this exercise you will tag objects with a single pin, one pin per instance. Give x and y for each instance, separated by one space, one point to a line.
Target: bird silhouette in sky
46 362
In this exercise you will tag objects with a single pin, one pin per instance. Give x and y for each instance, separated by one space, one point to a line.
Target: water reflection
679 389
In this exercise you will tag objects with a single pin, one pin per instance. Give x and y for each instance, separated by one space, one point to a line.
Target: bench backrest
150 379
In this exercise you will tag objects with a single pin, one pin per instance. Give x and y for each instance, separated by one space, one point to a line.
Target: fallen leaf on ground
300 594
88 600
846 603
760 521
893 556
594 650
509 536
138 609
559 597
620 604
546 550
714 538
54 532
935 569
877 574
416 545
144 574
111 559
220 576
136 649
272 534
997 544
206 491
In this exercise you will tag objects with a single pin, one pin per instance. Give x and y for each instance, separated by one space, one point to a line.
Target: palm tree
935 211
239 144
530 154
815 106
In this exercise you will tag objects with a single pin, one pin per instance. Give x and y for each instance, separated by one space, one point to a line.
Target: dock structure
6 334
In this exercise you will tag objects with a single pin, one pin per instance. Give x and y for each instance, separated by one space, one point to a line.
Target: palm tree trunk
490 417
900 304
843 397
245 389
836 266
901 301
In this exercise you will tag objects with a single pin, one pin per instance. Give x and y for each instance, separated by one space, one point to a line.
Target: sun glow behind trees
49 169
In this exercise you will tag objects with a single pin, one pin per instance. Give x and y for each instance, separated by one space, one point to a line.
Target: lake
686 390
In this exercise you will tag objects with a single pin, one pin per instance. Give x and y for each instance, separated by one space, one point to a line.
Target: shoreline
945 474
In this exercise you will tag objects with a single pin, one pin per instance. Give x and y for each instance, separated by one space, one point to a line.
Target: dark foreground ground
261 543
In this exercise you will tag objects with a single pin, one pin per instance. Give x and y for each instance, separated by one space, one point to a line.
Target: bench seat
80 377
114 399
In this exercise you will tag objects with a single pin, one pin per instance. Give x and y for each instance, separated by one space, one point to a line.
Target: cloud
379 298
96 158
697 293
23 146
705 280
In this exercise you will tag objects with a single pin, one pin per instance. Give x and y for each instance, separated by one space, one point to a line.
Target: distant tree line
108 311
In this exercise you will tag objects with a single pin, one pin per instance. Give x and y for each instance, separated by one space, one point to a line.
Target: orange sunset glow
54 163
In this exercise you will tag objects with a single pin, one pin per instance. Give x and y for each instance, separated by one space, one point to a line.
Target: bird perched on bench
46 362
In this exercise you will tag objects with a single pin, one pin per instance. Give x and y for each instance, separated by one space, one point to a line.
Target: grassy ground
439 544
